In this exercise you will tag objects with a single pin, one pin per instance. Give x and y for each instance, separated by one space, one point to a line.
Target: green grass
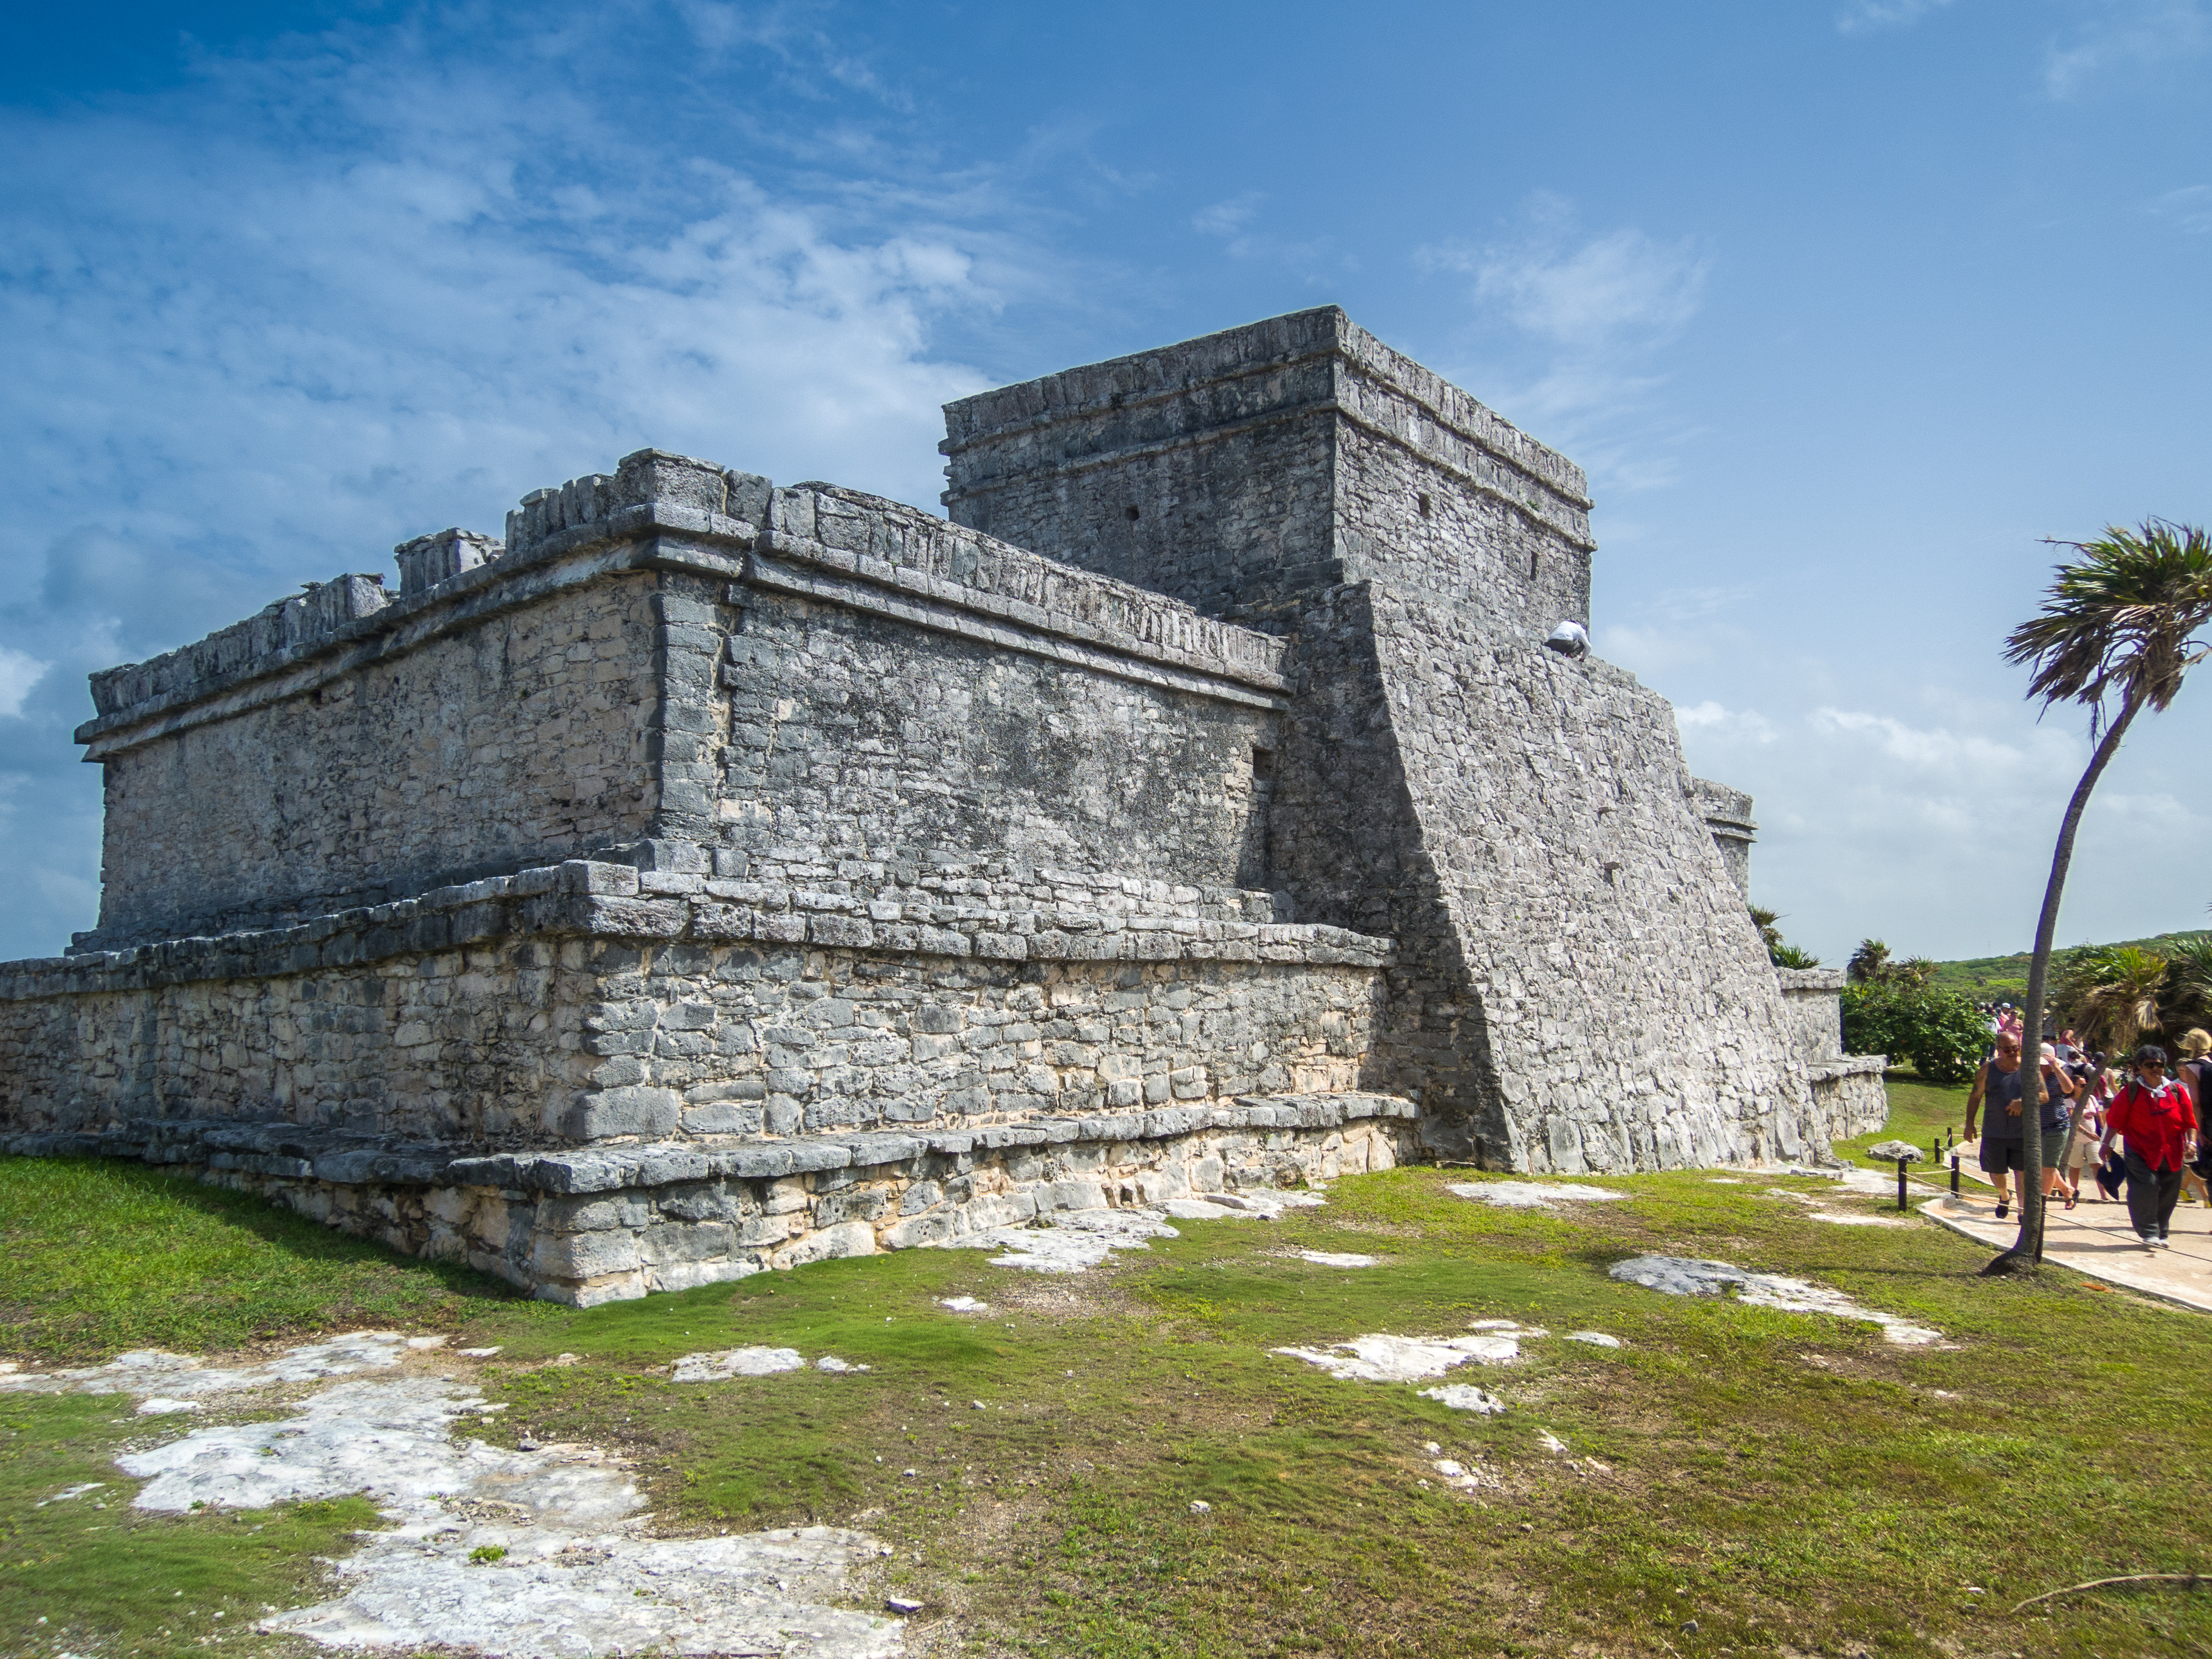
1782 1481
104 1257
107 1579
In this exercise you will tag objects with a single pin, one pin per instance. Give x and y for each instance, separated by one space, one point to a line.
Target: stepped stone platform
711 875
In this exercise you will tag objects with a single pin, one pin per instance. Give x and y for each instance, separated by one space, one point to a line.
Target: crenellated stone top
901 546
1306 362
653 493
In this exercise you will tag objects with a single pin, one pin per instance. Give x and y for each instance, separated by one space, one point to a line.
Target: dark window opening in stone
1132 515
1428 506
1263 765
1532 567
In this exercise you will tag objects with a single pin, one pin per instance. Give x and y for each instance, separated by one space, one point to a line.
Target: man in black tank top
2004 1136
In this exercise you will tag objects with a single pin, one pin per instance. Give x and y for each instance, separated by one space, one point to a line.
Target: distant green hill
2004 979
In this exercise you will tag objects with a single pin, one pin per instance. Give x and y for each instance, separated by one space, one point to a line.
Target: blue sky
1844 305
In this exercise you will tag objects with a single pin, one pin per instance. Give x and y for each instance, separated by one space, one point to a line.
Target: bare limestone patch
1381 1358
1339 1258
521 1553
1079 1240
963 1304
1259 1203
1595 1339
1465 1397
724 1364
1677 1275
168 1382
1531 1195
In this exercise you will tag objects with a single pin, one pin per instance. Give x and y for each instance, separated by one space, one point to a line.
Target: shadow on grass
109 1253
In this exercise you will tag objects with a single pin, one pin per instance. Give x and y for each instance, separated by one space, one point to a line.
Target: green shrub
1940 1033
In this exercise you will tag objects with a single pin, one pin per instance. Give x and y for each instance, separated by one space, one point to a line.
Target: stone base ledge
298 1152
615 1223
1843 1066
586 898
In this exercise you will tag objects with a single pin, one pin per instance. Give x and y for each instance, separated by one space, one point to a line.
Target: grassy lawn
1736 1481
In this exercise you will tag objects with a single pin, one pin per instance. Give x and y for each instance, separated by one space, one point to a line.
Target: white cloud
1598 310
266 325
1866 16
1229 219
19 672
2188 209
1742 726
1929 822
2132 36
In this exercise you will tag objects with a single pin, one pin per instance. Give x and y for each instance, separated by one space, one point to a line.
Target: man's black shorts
1999 1156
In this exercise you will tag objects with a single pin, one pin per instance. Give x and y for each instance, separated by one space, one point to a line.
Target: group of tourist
2134 1130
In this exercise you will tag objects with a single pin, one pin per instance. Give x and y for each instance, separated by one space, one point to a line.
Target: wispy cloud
265 327
2188 209
2130 37
19 673
1865 16
1599 307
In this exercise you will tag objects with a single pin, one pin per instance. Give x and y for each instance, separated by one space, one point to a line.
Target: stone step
301 1151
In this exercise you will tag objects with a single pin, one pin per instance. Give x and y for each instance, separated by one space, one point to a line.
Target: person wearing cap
2004 1138
2158 1122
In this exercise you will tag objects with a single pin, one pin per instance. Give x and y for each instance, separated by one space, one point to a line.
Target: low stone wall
587 1000
1812 998
608 1222
1849 1094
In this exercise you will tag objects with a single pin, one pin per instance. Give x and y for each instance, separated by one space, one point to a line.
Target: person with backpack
2158 1121
2194 1072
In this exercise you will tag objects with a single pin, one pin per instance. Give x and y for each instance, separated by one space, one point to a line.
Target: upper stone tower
1245 471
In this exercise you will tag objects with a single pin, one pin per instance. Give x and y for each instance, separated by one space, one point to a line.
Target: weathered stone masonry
711 876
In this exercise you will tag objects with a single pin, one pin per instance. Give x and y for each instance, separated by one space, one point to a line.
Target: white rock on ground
579 1575
963 1304
1460 1478
1677 1275
1595 1339
1465 1397
1531 1195
1077 1240
173 1381
1261 1203
1338 1258
720 1366
1385 1359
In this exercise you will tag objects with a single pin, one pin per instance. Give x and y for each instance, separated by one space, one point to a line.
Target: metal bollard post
1954 1175
1935 1150
1900 1184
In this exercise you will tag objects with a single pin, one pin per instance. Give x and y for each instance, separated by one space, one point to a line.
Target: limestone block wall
1247 469
1577 985
524 737
591 1001
594 1227
1812 997
891 718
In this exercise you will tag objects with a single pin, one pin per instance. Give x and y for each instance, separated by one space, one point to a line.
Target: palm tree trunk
2030 1242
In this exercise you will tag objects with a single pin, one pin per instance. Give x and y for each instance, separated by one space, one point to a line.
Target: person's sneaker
2003 1210
2150 1244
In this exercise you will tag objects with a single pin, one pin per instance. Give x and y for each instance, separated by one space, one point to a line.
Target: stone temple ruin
714 875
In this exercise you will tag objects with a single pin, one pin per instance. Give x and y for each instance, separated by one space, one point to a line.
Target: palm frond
2122 617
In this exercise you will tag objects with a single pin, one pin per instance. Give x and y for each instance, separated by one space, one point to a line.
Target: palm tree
1869 963
2111 994
2186 999
2120 620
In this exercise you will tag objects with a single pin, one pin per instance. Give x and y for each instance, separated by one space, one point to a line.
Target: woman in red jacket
2155 1118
